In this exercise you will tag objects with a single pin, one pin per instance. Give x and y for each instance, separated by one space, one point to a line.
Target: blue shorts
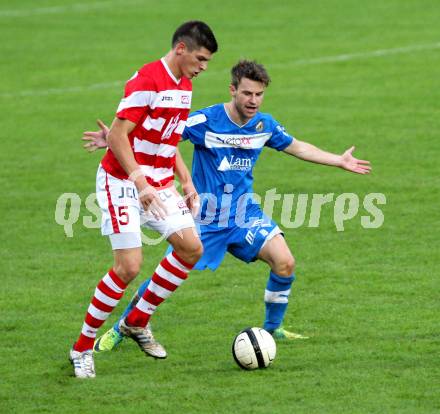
243 243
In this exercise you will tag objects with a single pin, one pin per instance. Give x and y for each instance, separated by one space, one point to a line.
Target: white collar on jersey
167 68
235 123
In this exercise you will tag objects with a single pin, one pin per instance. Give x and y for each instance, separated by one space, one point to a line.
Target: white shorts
123 216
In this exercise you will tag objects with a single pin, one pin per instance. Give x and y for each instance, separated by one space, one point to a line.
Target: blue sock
276 299
132 304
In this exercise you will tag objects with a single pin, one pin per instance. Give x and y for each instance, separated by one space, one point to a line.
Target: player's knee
196 252
191 253
290 264
286 266
128 270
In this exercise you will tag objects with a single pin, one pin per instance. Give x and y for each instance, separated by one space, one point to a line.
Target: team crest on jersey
259 127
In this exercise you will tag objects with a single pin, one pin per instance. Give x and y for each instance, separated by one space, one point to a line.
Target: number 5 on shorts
123 215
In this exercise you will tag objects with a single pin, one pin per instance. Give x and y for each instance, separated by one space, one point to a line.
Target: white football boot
144 338
83 363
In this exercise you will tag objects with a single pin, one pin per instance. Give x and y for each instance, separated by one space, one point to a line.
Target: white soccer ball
254 348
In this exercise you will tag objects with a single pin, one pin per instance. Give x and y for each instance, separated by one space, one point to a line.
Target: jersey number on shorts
123 215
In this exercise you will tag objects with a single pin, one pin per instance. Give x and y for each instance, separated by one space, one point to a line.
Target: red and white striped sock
169 275
107 295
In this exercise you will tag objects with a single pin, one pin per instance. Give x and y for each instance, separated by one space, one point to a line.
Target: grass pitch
343 73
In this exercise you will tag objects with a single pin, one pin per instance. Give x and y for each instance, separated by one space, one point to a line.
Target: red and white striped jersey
159 105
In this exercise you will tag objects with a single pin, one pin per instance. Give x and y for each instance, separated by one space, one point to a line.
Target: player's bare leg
127 263
277 255
187 245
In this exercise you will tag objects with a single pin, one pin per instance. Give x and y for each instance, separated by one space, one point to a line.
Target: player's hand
96 139
349 163
191 198
150 201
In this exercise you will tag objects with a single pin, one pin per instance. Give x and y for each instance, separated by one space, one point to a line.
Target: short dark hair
249 69
195 34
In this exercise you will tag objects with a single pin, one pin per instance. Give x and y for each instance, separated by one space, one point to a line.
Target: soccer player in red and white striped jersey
135 186
158 104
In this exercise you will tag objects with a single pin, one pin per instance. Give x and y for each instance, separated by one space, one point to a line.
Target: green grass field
344 72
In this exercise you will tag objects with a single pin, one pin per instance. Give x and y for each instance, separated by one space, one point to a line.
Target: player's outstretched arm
346 161
96 139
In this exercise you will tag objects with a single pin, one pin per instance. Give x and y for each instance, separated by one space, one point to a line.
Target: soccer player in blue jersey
228 139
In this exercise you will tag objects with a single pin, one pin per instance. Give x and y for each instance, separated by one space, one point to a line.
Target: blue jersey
224 157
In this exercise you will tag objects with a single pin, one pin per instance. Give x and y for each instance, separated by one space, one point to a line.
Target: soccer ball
254 348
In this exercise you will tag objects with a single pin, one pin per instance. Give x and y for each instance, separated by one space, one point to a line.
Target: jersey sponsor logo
185 99
248 141
234 163
167 98
235 141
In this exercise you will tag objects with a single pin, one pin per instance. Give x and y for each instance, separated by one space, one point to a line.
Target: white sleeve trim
137 99
195 120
